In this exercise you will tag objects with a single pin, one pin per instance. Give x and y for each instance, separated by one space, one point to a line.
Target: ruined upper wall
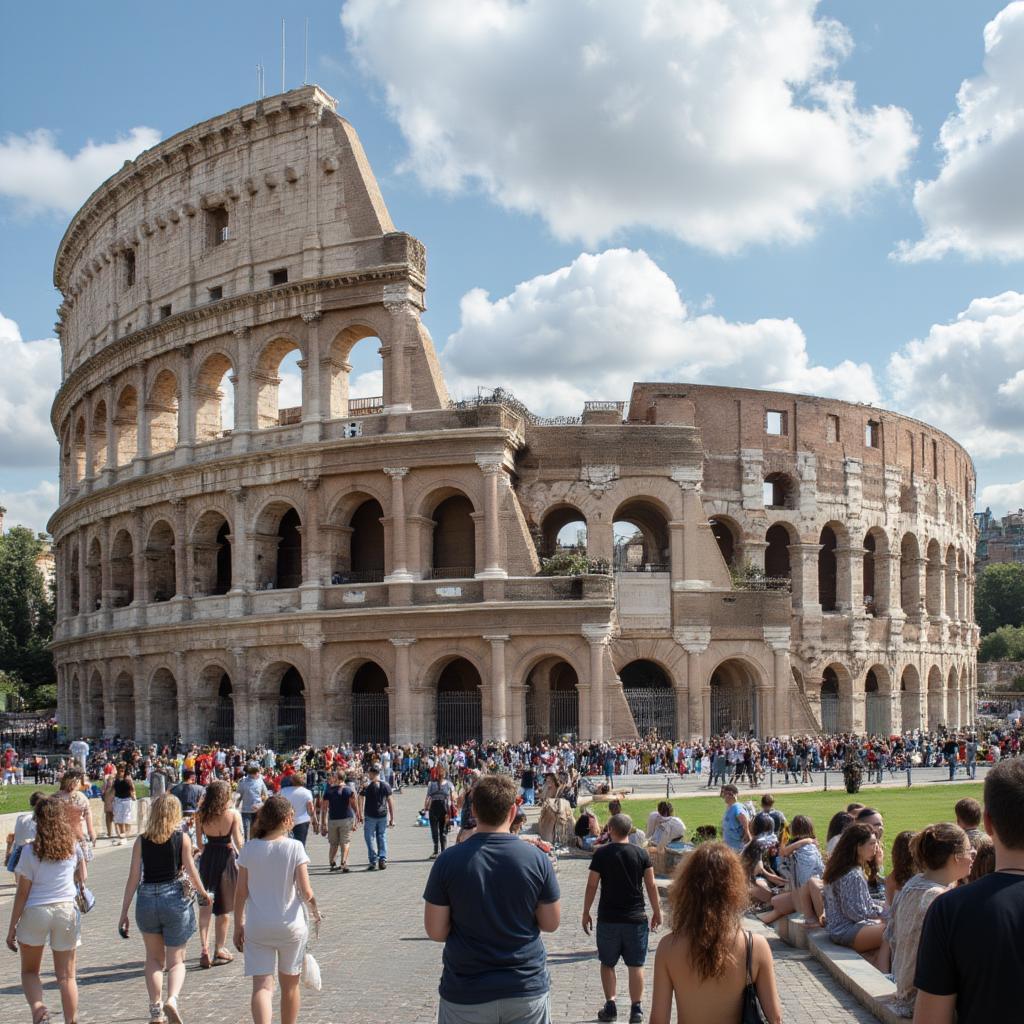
278 185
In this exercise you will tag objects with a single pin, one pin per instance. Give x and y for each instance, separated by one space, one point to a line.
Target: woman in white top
49 872
301 801
270 925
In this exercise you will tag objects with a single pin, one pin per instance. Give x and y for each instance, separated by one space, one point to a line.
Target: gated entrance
830 701
370 708
564 712
222 728
651 699
291 712
459 711
876 719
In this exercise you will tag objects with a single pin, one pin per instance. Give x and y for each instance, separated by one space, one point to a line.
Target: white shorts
282 956
124 811
59 924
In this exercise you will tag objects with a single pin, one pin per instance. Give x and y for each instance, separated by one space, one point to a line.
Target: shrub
566 563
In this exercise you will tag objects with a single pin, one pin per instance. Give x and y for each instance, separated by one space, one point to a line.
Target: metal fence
23 731
830 713
222 728
370 718
291 723
653 709
563 712
732 710
459 716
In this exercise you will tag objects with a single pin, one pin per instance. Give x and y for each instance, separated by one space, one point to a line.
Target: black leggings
438 824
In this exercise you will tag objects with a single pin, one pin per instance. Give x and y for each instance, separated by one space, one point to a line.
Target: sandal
204 961
221 956
43 1018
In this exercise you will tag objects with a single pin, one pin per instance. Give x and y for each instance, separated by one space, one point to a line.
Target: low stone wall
998 674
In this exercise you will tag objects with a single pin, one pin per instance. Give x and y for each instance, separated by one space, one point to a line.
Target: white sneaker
171 1010
156 1013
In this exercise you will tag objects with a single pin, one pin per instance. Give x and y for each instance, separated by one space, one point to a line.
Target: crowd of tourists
222 853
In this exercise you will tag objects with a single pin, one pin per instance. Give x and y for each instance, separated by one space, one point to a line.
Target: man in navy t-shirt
338 818
488 899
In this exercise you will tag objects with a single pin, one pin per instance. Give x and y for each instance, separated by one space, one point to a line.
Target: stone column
242 556
110 470
88 477
402 690
83 583
318 721
695 640
244 399
753 551
244 734
491 466
499 700
105 597
312 556
140 688
685 533
597 635
187 725
185 446
849 579
182 576
141 598
399 529
142 445
404 332
778 638
803 559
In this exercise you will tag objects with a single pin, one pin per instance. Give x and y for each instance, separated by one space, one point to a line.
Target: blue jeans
528 796
375 832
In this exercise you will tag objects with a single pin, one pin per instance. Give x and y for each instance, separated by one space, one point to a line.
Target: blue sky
715 211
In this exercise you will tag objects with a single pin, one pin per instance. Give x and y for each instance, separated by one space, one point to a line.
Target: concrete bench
865 983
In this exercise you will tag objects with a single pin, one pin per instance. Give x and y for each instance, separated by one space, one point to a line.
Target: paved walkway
378 967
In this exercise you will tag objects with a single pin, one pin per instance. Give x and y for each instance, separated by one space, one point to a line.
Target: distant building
999 540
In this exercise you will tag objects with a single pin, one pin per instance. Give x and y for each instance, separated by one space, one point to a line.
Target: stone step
867 984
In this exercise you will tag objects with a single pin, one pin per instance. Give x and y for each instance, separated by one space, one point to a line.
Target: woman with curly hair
219 835
704 961
853 918
163 912
49 872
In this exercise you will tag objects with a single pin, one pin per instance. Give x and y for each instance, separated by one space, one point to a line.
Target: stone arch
122 569
953 699
952 608
99 438
363 394
835 694
934 590
910 698
124 705
459 701
735 708
95 713
94 576
936 698
910 584
162 412
213 700
269 411
161 568
877 701
552 698
781 490
74 579
78 450
779 537
965 611
215 406
833 536
278 542
367 549
211 550
728 536
164 726
877 598
282 706
646 546
453 535
650 695
554 521
126 425
371 712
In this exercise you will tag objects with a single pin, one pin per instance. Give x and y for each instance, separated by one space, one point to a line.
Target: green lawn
14 799
900 808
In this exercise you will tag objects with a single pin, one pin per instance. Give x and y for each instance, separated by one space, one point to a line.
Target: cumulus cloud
590 329
965 376
1002 498
721 122
30 378
31 508
39 176
975 206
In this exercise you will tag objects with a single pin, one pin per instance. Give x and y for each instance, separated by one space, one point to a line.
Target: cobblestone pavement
377 965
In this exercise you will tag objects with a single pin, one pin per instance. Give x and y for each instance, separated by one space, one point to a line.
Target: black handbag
752 1012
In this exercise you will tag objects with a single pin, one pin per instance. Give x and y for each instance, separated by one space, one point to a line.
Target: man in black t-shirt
189 795
972 944
622 871
377 810
338 818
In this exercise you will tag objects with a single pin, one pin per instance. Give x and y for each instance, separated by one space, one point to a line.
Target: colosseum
235 568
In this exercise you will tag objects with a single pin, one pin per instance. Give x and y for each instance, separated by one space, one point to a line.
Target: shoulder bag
188 890
84 899
752 1012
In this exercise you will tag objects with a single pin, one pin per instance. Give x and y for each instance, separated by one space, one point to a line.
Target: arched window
122 570
291 712
124 706
160 562
910 699
278 547
830 701
459 713
126 425
94 576
952 609
876 704
780 491
776 554
727 539
827 575
99 439
651 698
162 413
279 385
211 555
215 398
454 541
289 551
163 707
78 451
933 580
367 543
876 572
563 530
640 534
370 711
357 374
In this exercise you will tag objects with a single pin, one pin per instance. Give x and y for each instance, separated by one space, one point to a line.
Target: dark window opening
831 428
873 434
129 268
165 312
279 276
289 551
215 293
217 230
778 491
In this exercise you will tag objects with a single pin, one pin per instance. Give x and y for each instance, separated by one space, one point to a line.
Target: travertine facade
367 568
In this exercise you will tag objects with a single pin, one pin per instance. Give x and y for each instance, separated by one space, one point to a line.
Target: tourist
944 855
252 791
759 879
164 912
189 795
869 816
76 807
377 811
587 830
623 872
107 796
79 750
663 827
437 803
903 865
735 822
968 816
339 816
124 804
984 859
527 783
271 929
303 810
24 832
50 871
708 958
970 952
488 899
219 838
836 826
806 870
852 917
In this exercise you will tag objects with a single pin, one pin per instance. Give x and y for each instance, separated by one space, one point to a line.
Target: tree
1003 644
26 612
999 597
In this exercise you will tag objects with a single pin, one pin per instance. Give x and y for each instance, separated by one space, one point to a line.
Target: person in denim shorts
165 917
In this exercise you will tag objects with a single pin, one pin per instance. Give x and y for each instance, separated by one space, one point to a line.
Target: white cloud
367 385
720 122
31 508
1002 498
965 376
976 206
30 378
589 330
39 176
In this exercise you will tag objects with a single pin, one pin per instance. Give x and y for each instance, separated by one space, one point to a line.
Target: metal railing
781 584
618 407
453 572
643 567
366 406
343 576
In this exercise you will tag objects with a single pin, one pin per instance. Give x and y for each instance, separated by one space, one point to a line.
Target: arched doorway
563 702
289 551
95 722
222 725
640 536
290 731
124 706
734 709
650 697
454 541
936 698
727 539
370 710
910 698
367 543
876 705
827 570
563 530
161 566
952 701
776 554
459 710
163 707
829 701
